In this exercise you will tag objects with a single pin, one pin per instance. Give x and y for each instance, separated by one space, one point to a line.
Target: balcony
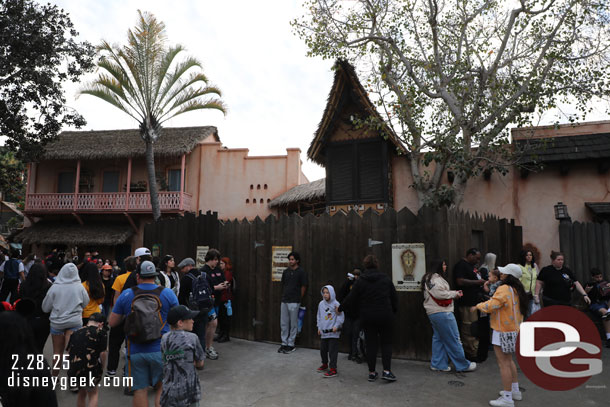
105 202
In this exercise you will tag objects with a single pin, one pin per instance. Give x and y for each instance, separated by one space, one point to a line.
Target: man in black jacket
470 282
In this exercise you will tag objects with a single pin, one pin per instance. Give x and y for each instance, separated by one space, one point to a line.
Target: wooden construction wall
331 246
585 245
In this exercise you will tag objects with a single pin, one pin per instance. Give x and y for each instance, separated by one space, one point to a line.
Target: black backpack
11 269
144 322
201 295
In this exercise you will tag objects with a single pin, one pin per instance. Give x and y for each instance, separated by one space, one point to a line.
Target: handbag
508 340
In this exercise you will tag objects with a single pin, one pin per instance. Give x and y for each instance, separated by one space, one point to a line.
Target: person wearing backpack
12 270
144 308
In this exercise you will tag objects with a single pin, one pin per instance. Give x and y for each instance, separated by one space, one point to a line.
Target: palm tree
146 80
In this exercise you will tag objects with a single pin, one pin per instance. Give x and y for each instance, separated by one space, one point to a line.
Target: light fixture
561 211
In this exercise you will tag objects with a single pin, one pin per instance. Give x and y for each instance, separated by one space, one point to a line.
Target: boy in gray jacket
329 325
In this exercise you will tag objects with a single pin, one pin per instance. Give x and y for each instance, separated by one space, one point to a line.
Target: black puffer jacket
373 297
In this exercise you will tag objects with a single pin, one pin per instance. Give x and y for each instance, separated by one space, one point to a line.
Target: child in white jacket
329 326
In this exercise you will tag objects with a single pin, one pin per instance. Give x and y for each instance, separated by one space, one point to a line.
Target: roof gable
174 141
346 89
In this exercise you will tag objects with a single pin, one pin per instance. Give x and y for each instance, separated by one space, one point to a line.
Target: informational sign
201 252
156 250
408 265
279 261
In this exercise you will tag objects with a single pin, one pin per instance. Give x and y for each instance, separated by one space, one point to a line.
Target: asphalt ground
254 374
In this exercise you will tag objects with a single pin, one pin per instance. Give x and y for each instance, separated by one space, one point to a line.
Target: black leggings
378 333
224 321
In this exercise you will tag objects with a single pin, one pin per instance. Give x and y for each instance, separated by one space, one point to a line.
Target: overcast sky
275 94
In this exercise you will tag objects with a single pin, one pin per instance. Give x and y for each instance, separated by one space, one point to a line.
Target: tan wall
230 180
529 201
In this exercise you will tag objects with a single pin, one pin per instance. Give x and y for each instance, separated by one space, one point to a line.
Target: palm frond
189 96
165 64
109 97
175 78
181 86
195 105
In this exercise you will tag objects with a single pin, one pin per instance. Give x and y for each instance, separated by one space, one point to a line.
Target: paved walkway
254 374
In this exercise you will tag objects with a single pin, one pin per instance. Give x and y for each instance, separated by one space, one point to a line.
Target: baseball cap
511 269
106 267
147 269
142 251
186 262
180 313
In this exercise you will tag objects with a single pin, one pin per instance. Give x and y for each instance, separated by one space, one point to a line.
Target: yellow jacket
528 278
94 305
503 307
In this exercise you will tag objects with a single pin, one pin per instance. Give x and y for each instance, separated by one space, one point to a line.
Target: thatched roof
174 141
346 84
315 190
99 234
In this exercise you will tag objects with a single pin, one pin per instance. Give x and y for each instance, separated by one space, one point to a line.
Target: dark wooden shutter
370 171
341 188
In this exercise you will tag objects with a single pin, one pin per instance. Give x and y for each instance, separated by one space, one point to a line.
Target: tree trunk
152 179
459 188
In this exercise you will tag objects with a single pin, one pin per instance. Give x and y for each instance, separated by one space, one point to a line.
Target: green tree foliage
12 177
452 75
39 54
148 81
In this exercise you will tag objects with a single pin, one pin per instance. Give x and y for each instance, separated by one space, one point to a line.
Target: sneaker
357 359
322 368
389 376
471 368
74 389
516 395
128 392
501 402
281 349
606 315
373 376
211 353
289 349
330 373
448 369
350 357
110 373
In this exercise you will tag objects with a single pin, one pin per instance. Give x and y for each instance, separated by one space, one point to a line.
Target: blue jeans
446 342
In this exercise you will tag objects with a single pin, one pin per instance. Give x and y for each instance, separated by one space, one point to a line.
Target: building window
173 180
258 186
251 186
357 172
110 181
65 183
265 186
247 200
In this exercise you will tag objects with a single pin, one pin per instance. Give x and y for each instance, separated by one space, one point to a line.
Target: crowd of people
168 316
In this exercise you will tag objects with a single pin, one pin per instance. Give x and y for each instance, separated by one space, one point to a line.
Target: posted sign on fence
408 265
279 261
201 252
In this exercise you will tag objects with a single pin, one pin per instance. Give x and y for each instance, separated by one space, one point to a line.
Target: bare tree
452 75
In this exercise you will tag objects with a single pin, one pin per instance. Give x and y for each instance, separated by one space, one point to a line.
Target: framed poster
408 265
156 250
279 261
201 252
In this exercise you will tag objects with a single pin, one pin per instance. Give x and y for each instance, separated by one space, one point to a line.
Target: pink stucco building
90 188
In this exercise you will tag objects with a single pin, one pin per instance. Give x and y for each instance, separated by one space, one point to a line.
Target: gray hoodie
66 299
328 318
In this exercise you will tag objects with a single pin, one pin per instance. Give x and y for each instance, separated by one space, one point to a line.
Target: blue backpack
11 269
201 295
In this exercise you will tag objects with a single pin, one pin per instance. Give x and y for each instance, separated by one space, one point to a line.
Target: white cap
142 251
511 269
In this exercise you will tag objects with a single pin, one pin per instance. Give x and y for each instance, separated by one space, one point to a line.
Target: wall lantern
561 212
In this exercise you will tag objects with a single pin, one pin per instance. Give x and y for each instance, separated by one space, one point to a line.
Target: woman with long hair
529 274
224 319
438 303
556 283
35 288
65 301
374 296
107 281
506 308
95 290
169 275
17 351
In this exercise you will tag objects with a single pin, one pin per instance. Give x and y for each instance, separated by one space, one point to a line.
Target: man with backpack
12 270
144 309
196 293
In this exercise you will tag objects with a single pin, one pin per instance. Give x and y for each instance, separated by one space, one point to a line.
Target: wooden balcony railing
103 202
